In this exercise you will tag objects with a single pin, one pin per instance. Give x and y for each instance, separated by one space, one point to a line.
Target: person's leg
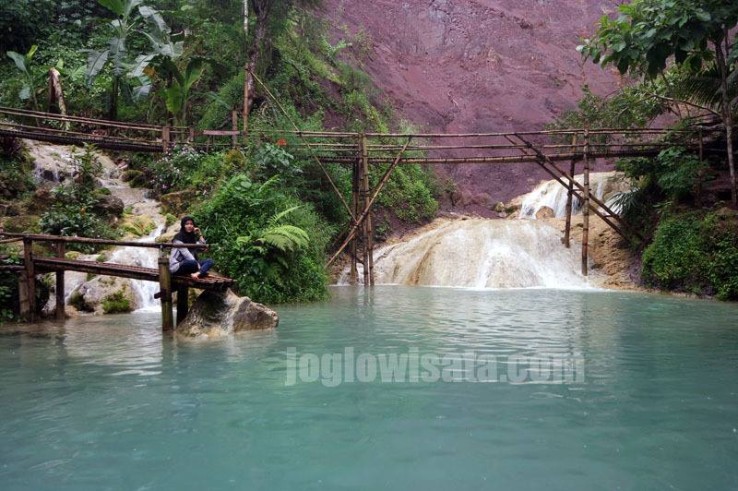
205 267
188 266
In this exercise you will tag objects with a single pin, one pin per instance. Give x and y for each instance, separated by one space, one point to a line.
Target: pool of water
516 389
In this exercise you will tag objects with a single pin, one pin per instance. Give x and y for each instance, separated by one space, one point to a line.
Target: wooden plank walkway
53 264
33 264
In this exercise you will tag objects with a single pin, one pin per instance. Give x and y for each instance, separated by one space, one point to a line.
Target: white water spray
551 194
478 253
144 257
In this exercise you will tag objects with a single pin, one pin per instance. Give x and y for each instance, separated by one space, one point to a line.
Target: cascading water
55 163
478 253
551 194
147 258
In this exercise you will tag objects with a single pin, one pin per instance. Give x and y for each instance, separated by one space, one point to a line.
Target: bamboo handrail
87 240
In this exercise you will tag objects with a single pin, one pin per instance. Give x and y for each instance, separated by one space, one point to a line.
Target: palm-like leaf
286 238
704 88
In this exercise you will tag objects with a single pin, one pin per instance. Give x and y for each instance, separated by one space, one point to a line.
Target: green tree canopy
696 34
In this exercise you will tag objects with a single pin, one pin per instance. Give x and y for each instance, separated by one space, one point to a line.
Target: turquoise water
107 403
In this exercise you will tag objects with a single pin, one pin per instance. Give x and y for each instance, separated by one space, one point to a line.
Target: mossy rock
22 224
137 225
178 203
109 206
77 300
134 178
116 303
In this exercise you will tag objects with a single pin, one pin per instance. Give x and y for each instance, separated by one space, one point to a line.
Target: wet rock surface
221 313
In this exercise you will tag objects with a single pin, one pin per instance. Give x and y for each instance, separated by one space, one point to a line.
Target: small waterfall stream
53 164
552 194
147 258
479 253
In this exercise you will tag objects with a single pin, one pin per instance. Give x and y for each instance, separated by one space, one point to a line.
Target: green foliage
673 177
273 159
116 303
679 173
628 108
15 169
648 32
132 17
695 254
23 22
410 193
177 94
30 81
187 168
273 245
8 286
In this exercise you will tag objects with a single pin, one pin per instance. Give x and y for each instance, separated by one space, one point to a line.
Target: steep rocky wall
477 66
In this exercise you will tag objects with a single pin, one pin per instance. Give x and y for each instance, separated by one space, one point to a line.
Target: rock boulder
221 313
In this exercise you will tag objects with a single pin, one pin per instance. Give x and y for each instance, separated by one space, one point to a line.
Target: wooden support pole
234 127
353 249
363 200
365 207
569 198
165 137
165 291
60 314
28 304
365 213
183 303
585 209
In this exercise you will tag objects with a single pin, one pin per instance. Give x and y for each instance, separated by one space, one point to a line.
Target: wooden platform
52 264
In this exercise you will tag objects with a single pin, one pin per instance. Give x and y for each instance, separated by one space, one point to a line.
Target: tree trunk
726 116
113 109
246 72
252 63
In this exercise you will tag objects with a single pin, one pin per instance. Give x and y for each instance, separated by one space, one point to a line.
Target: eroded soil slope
477 66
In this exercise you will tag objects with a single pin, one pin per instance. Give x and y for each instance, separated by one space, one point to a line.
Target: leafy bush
8 286
695 254
409 193
22 22
267 240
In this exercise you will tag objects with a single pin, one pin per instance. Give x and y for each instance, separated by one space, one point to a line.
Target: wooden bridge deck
33 264
53 264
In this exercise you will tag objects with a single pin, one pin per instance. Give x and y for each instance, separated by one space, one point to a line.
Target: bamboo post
165 287
234 127
569 197
60 314
165 137
354 208
183 303
28 304
585 209
368 228
363 197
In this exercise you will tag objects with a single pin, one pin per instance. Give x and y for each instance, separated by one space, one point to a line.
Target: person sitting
184 260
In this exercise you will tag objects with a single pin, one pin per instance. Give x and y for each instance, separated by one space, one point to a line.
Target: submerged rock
222 313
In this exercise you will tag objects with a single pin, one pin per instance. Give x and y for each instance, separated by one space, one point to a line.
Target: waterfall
479 253
551 194
147 258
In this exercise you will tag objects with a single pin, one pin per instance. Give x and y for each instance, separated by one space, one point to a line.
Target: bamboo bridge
33 263
557 152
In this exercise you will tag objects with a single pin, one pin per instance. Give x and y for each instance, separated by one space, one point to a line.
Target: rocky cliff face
477 66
